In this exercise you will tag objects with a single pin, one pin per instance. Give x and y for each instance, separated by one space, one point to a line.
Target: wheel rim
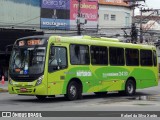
130 88
73 91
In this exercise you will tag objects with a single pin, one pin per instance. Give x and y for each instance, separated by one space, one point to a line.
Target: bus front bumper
25 90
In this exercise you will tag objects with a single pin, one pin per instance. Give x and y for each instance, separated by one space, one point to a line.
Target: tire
100 93
73 91
41 97
130 87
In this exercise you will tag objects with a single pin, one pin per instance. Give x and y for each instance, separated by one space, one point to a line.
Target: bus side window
99 55
146 57
57 58
132 57
52 57
79 54
155 58
116 56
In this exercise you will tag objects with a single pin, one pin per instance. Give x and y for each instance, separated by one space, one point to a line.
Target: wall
20 13
119 11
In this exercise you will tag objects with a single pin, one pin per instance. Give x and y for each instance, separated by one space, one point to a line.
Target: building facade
62 14
113 16
20 14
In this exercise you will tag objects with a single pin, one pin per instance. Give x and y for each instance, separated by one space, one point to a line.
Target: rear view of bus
26 68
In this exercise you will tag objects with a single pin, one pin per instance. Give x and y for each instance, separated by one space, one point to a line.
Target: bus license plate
23 90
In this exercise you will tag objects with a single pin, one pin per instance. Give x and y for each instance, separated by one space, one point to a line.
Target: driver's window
17 61
57 58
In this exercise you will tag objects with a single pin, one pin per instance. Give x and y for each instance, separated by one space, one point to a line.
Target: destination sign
30 42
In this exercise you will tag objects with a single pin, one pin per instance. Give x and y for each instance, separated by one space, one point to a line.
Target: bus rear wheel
73 91
41 97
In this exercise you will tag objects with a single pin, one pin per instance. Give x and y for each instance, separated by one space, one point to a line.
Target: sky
155 4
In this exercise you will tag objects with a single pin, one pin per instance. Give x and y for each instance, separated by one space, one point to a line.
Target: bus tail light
39 81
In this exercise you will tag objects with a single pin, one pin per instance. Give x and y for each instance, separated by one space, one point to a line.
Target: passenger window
99 55
146 57
132 57
155 58
79 54
116 56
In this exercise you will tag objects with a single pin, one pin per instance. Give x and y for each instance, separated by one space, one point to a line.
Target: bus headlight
39 81
10 80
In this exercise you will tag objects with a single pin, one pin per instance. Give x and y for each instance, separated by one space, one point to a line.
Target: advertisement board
56 4
113 2
55 14
88 10
47 23
62 14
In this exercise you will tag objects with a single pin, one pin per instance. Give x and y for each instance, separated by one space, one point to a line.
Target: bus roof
102 41
91 40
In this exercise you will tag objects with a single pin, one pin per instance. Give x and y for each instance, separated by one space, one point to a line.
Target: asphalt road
144 100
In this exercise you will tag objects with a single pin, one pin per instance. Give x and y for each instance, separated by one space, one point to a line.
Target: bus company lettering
115 74
85 6
84 73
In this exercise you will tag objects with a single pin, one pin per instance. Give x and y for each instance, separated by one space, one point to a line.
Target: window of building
113 17
106 17
116 56
99 55
79 54
127 20
146 57
132 57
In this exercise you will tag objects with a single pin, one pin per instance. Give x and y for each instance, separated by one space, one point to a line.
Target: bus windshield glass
28 60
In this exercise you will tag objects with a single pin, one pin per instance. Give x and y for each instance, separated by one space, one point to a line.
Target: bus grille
24 79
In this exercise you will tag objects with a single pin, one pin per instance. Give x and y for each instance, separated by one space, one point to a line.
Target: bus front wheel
72 91
130 87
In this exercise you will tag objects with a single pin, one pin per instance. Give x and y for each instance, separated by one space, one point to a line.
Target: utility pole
141 30
78 20
133 11
134 32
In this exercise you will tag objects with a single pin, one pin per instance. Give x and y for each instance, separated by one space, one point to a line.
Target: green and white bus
48 66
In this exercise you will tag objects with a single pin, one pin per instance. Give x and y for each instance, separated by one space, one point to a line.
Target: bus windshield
27 60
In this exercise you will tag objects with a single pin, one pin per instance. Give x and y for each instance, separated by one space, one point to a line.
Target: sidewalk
4 88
